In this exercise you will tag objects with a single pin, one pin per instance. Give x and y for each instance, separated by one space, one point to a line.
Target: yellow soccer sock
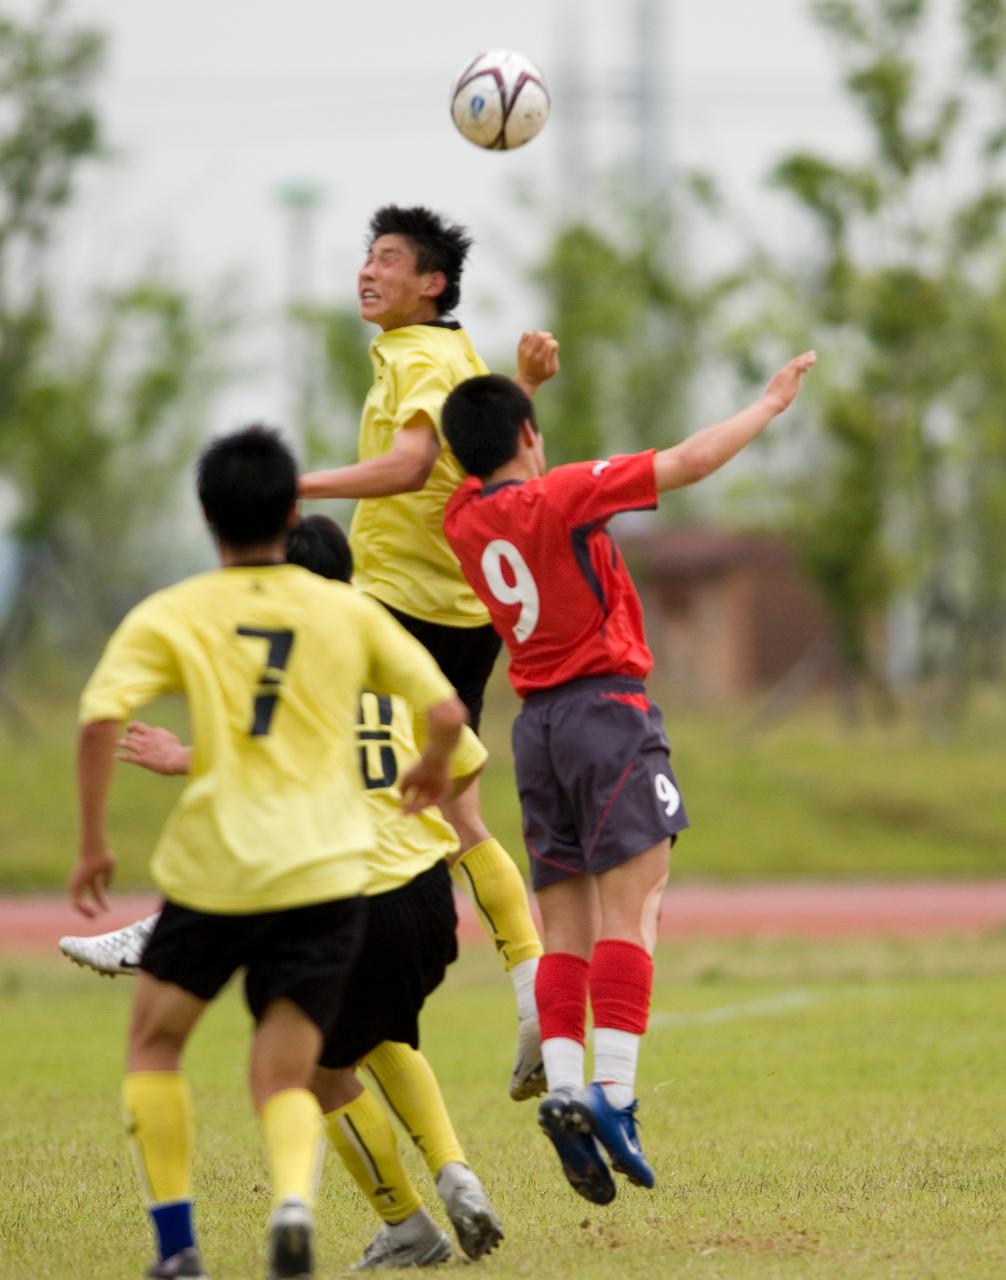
410 1088
291 1126
490 876
362 1135
158 1109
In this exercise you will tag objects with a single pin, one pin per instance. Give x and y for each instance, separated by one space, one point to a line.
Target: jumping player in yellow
409 286
265 856
408 939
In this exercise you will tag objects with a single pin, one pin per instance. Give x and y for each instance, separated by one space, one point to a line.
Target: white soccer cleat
478 1229
427 1248
527 1079
110 953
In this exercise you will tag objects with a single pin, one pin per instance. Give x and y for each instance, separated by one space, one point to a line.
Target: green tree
328 423
100 432
94 430
50 130
904 298
635 325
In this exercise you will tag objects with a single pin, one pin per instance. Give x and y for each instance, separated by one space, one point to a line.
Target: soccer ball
499 101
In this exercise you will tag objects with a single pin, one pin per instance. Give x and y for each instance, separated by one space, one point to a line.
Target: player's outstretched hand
537 357
90 879
424 784
153 748
782 390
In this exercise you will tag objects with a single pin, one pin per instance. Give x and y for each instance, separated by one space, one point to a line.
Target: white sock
452 1175
417 1226
563 1064
522 976
616 1054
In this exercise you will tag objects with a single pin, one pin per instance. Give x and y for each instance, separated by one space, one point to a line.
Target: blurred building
729 615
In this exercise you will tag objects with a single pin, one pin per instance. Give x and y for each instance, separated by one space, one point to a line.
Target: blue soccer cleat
582 1162
590 1113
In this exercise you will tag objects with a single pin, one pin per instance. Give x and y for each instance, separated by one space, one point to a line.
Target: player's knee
268 1077
335 1088
154 1048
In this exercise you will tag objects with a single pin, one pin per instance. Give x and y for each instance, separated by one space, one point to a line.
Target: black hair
482 418
439 245
317 543
247 483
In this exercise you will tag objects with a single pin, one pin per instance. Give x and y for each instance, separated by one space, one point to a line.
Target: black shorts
466 656
594 777
409 940
303 954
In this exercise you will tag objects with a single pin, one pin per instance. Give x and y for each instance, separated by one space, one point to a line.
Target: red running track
911 909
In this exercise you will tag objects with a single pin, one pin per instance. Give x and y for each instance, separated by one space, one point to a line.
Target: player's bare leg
620 979
570 912
158 1109
630 895
490 878
285 1048
361 1134
406 1082
359 1130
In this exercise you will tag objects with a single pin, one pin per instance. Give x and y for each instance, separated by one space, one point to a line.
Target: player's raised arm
92 875
405 468
707 450
537 360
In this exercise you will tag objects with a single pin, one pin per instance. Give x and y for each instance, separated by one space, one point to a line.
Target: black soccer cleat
291 1242
184 1265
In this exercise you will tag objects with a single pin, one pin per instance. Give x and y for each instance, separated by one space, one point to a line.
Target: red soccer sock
560 991
621 980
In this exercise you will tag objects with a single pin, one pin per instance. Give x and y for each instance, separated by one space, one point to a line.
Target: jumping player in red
600 803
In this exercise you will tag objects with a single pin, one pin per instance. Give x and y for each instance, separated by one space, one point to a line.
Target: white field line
785 1002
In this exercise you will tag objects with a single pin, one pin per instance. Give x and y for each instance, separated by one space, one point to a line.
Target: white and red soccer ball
500 101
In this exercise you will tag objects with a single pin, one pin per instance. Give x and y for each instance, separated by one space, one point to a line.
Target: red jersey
539 557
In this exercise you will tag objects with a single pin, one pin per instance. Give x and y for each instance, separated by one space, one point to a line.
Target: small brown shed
727 614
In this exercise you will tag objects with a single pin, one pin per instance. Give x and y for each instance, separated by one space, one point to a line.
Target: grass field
804 800
814 1112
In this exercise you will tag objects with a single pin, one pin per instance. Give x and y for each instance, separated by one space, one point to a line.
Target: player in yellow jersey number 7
409 938
273 889
409 286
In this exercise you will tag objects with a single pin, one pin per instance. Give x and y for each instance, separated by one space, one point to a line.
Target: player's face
392 292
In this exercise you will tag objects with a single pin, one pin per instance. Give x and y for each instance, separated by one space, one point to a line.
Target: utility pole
650 96
572 92
300 202
647 95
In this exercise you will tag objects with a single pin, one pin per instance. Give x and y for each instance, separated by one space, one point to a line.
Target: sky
213 107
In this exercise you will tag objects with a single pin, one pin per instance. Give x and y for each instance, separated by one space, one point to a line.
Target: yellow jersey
400 554
272 661
406 843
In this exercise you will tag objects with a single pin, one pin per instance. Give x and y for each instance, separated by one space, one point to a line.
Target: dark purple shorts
594 777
